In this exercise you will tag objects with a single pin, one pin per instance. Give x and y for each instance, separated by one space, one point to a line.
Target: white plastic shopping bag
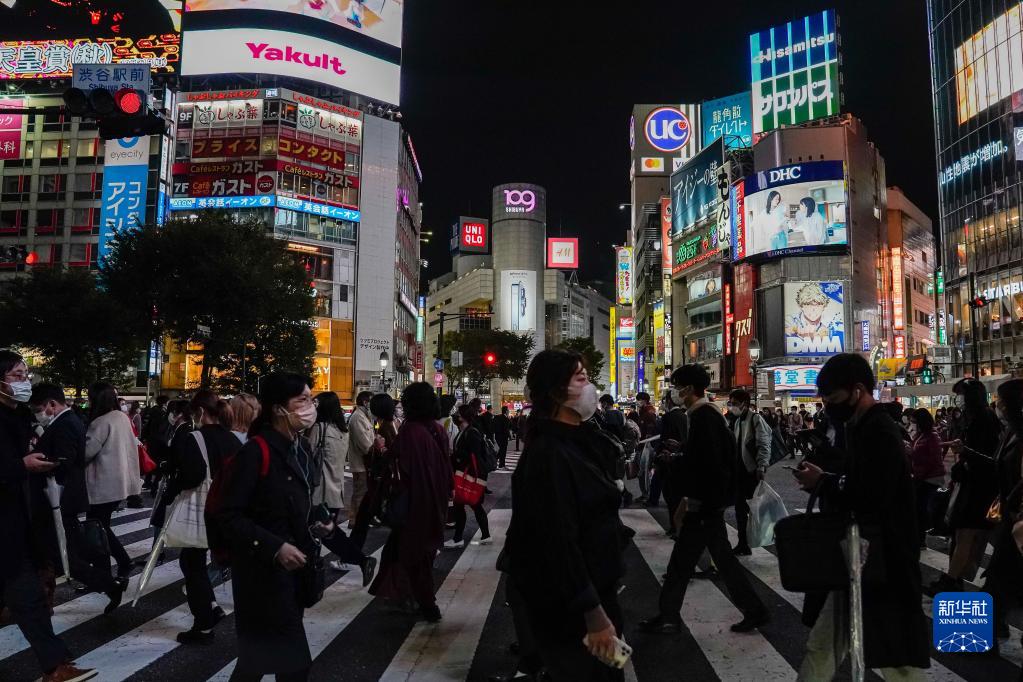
765 509
186 523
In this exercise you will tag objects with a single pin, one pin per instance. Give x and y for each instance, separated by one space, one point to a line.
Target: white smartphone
622 653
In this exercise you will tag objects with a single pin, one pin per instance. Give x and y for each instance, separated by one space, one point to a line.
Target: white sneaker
484 541
451 544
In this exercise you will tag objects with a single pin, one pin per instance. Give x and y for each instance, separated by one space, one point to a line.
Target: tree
593 359
220 281
513 352
80 331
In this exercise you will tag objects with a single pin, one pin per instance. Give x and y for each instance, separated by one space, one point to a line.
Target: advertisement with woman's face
703 287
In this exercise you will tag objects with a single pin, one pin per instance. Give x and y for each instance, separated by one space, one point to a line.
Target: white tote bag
186 525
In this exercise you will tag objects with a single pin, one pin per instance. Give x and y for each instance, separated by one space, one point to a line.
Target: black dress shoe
431 614
115 595
751 623
194 636
659 626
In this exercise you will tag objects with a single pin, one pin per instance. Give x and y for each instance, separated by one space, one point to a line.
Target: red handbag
146 463
468 488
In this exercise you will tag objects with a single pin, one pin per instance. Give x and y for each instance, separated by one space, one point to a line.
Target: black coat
502 428
259 514
187 467
706 471
1005 571
975 473
15 509
64 439
469 442
565 541
878 488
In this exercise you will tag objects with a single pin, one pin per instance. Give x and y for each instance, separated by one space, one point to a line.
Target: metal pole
440 351
244 368
973 326
855 603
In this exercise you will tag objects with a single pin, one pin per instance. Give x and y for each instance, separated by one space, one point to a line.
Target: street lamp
384 360
754 357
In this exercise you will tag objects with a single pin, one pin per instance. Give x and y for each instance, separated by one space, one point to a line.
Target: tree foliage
81 332
224 282
593 359
513 353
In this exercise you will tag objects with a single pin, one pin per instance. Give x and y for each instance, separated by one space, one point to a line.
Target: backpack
219 544
778 449
488 458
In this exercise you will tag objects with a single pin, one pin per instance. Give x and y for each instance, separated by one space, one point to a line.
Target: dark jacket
565 541
878 489
1005 571
502 428
187 467
706 471
259 514
975 471
468 442
15 434
64 439
925 457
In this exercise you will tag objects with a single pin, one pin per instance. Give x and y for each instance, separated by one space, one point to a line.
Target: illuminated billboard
989 65
44 39
666 235
794 72
518 300
728 118
563 253
790 209
623 275
694 188
814 318
354 45
473 235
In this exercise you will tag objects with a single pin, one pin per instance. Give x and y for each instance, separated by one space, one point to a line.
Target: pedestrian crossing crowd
562 505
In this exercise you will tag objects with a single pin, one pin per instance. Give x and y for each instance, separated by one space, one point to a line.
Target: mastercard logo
652 164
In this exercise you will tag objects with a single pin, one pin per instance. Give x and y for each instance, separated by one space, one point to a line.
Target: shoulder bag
186 523
469 488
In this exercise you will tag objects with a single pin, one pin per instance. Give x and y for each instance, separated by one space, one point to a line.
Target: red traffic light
130 101
489 359
32 258
979 301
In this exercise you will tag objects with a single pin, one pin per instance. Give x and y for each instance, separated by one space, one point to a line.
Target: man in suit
502 432
704 482
63 442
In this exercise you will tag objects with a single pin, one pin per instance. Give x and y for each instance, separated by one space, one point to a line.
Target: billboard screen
989 65
704 285
694 188
354 45
518 300
729 118
814 318
44 39
794 72
473 235
695 249
623 275
563 253
790 209
666 234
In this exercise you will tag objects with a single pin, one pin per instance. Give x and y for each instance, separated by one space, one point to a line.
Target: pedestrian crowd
252 489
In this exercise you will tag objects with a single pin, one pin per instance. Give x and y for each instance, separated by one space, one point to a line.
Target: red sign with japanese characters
10 129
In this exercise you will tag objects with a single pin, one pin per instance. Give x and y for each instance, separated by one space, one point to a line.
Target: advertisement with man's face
814 318
792 209
518 300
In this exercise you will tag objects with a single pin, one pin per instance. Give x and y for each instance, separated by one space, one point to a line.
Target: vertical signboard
518 300
641 370
900 346
10 129
729 118
898 291
865 335
737 199
126 168
743 299
613 350
623 275
794 72
666 235
729 317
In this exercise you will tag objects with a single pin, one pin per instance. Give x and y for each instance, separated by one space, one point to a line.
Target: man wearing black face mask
876 488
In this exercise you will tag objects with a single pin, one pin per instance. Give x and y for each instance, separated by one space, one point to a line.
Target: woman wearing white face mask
264 516
928 469
565 543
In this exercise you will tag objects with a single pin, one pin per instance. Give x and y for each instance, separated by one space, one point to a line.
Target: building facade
913 310
977 82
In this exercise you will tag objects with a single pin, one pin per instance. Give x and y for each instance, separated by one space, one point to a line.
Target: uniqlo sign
473 235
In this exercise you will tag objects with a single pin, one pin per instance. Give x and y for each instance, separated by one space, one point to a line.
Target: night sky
496 91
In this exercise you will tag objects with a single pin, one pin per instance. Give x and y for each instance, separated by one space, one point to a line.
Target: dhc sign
667 129
789 174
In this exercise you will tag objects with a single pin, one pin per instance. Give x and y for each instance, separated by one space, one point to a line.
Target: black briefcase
92 546
810 556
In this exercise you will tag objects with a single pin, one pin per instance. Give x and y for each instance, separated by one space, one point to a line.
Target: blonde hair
245 408
811 294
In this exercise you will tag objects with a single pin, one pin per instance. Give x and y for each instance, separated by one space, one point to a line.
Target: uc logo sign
667 129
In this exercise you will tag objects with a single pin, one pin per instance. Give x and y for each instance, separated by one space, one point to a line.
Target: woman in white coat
111 464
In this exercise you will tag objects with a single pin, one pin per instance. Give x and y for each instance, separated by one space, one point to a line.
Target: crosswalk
353 636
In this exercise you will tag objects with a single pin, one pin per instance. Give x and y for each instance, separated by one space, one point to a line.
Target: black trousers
745 485
96 578
23 594
346 549
924 492
502 451
198 587
699 531
458 511
567 660
102 513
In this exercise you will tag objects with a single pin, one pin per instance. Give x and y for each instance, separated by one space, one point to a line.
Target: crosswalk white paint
708 614
445 651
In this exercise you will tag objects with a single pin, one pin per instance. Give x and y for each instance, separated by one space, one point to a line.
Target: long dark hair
209 402
547 381
1010 397
420 402
328 410
974 397
771 196
275 390
102 399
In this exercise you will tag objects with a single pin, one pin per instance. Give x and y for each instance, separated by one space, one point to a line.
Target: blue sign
963 622
694 188
265 201
729 118
640 369
667 129
125 176
111 77
438 365
865 335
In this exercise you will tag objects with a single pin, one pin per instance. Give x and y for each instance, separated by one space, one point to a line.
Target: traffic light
489 359
120 114
979 301
926 376
19 255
